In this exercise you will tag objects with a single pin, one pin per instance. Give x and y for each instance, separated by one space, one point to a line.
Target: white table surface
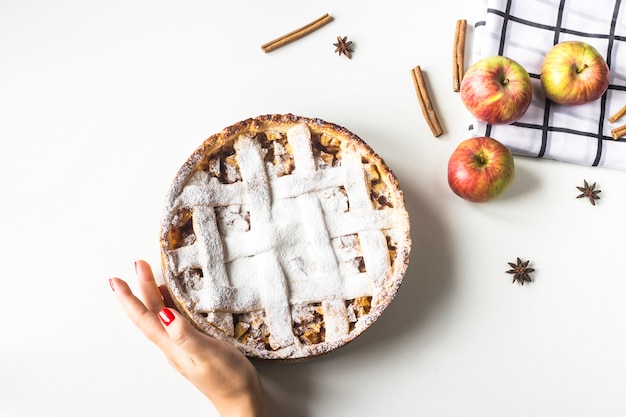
100 104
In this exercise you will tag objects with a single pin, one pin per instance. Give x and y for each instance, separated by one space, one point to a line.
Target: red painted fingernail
166 316
111 284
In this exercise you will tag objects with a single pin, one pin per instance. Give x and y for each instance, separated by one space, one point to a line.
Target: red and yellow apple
574 72
496 90
480 169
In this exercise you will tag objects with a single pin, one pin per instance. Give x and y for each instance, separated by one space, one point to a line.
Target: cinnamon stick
458 54
618 132
618 115
296 34
425 103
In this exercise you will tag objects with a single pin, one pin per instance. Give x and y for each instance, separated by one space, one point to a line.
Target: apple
574 72
496 90
480 169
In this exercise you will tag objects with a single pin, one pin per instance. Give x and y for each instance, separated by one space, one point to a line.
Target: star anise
343 46
521 271
590 192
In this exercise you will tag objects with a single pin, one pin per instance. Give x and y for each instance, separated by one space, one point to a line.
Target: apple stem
479 159
579 70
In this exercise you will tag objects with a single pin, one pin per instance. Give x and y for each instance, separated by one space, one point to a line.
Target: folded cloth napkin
525 30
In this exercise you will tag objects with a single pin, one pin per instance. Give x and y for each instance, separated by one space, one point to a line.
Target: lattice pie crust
286 236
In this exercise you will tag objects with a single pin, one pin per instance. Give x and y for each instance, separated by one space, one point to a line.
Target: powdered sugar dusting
273 242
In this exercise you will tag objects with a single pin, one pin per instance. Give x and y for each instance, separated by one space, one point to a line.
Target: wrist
247 406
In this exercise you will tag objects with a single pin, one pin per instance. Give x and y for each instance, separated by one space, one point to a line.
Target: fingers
167 297
139 314
216 367
148 288
163 326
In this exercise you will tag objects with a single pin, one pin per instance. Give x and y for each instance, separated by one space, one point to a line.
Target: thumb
180 331
190 350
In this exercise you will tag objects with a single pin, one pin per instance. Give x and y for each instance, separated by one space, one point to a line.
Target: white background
102 101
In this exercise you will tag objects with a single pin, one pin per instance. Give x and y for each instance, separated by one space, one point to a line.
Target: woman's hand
216 368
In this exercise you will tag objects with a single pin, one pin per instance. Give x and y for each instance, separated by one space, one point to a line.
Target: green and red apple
496 90
480 169
574 72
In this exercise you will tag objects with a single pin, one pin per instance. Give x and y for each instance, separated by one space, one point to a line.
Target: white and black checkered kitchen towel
524 30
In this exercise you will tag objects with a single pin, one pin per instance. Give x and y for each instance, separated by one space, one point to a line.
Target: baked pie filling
285 236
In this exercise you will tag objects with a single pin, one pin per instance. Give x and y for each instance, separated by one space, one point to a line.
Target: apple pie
285 236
